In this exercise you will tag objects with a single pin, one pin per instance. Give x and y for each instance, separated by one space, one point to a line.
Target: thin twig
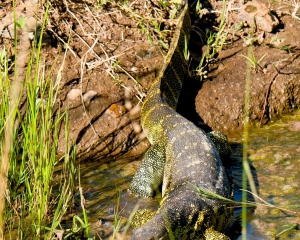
278 70
269 204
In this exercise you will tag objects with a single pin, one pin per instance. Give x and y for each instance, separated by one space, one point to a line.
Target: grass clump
252 59
157 23
30 122
215 41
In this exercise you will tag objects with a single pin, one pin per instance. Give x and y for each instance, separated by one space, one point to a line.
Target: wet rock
104 167
278 157
287 189
257 15
274 212
295 127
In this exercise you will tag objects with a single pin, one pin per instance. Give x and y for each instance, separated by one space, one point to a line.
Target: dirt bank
114 52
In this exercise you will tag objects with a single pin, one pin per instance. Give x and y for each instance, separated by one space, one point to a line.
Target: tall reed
247 177
29 133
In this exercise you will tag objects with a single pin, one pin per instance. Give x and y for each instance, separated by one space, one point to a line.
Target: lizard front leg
150 173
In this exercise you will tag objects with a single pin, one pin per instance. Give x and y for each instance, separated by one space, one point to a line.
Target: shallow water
274 154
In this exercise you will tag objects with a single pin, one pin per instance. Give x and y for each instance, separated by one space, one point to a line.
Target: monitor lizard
181 157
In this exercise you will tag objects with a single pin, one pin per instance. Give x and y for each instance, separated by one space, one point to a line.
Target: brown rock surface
220 102
257 15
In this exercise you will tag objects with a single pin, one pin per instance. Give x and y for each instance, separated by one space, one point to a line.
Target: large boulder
275 88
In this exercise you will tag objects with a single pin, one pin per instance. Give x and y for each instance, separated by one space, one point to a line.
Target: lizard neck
163 95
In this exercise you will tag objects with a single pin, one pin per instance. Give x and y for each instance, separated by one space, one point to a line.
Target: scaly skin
181 157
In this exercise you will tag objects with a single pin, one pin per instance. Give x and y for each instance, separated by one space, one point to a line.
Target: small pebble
74 94
87 97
